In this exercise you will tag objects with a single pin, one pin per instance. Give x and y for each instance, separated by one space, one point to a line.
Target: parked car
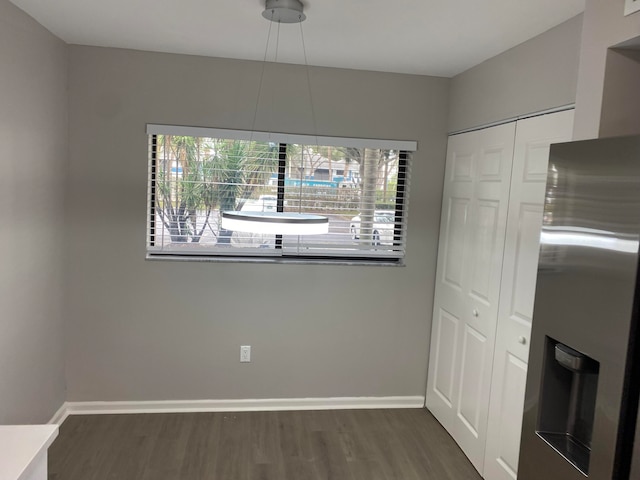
383 227
266 203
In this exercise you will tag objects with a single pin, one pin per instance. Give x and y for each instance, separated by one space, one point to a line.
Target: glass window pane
199 178
354 188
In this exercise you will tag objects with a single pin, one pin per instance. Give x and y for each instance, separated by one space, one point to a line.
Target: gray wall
620 99
604 26
33 135
536 75
172 330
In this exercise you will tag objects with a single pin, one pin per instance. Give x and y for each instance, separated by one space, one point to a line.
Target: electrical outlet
245 353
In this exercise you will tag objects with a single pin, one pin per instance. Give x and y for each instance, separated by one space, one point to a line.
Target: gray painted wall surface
152 330
533 76
604 26
620 99
33 135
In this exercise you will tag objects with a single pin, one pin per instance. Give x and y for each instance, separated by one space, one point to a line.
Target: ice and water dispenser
567 403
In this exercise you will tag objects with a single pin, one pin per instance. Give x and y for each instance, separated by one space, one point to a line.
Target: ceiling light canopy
284 11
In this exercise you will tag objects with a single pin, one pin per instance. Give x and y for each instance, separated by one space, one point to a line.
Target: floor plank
403 444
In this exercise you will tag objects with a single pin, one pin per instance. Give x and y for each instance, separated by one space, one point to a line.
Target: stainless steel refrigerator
583 383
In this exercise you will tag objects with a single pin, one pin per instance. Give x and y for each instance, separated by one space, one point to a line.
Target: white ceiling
429 37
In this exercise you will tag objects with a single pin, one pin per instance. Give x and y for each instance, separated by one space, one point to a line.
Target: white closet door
449 306
531 155
474 215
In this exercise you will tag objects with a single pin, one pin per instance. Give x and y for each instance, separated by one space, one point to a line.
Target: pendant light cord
273 93
306 64
264 63
308 75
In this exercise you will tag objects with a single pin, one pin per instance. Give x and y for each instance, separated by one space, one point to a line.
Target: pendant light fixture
282 223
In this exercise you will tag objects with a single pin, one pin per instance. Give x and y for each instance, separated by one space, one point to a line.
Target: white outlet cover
631 6
245 353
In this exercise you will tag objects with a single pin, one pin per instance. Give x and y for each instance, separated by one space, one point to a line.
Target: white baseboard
242 405
60 416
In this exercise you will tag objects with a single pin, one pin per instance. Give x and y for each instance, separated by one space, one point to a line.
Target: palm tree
178 186
238 168
374 165
370 161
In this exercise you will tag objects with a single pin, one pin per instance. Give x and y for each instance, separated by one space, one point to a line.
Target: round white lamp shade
281 223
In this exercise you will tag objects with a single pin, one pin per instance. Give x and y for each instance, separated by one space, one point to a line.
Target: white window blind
195 174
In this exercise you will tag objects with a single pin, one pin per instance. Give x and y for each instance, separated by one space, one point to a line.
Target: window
195 174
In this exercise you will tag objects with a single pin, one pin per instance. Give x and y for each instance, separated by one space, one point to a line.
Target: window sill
277 260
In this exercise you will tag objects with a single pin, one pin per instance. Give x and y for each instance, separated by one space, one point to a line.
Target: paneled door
472 232
531 155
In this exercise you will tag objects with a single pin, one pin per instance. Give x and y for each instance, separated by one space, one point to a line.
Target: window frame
404 150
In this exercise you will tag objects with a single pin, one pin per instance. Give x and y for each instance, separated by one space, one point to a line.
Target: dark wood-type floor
407 444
